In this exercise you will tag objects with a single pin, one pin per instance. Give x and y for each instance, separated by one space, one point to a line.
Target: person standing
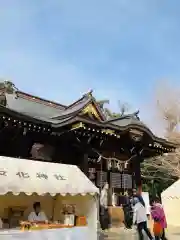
140 217
127 215
104 214
37 215
158 215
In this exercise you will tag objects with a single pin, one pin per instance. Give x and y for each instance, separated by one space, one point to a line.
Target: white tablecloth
76 233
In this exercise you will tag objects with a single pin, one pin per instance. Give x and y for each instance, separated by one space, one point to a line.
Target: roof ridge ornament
133 115
89 93
136 115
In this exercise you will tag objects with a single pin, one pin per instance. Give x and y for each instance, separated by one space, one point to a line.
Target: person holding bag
160 223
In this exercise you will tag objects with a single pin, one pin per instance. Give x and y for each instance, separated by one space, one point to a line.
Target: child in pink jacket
157 213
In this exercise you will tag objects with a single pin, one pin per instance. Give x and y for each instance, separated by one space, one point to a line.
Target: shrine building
106 149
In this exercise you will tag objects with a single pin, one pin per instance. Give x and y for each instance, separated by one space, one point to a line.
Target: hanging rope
114 158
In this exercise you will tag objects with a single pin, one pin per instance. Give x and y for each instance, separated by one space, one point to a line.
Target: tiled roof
23 105
125 120
32 107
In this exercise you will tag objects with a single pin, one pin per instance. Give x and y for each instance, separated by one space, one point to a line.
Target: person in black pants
128 215
143 226
104 214
140 218
104 218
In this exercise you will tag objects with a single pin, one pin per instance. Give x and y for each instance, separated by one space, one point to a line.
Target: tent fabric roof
173 191
35 177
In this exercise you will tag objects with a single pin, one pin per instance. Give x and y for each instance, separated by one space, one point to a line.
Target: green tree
8 86
156 187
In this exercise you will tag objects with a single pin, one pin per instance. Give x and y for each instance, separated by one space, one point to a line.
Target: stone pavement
116 233
121 233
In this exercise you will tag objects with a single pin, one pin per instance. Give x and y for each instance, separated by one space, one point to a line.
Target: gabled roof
39 108
35 106
80 105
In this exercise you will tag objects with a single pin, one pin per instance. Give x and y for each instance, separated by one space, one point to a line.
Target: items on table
69 215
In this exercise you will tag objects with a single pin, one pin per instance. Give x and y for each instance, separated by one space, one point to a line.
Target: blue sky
60 49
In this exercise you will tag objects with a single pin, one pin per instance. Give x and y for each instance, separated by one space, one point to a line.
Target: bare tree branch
167 104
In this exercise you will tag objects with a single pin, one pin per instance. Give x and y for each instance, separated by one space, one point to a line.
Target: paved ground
118 234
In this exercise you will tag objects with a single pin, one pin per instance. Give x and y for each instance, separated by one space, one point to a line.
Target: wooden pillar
84 165
137 173
110 187
25 147
139 189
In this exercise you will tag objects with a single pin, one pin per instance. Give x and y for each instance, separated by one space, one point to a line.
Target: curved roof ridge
127 116
87 97
73 111
80 100
131 120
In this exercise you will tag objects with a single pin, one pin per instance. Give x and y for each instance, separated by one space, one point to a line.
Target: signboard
101 178
39 175
126 181
116 180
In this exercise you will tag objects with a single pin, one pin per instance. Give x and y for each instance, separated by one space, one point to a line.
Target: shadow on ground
104 236
115 235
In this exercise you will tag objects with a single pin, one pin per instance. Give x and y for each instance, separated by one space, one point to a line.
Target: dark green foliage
8 86
156 186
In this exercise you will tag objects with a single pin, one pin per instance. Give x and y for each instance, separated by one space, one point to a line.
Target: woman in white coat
140 217
104 214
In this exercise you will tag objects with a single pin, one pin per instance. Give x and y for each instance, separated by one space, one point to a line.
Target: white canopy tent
171 202
27 176
33 181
